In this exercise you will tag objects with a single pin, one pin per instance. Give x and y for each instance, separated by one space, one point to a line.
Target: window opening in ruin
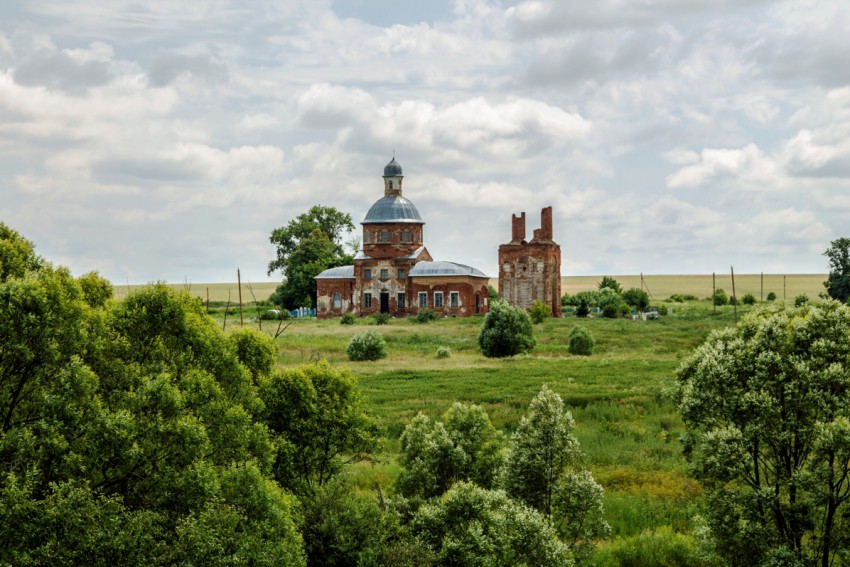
384 236
454 299
367 274
385 274
337 301
367 300
401 274
438 299
400 300
423 299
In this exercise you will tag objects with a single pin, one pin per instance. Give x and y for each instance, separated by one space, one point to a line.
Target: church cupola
392 178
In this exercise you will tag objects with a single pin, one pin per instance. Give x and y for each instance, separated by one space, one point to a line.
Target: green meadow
620 396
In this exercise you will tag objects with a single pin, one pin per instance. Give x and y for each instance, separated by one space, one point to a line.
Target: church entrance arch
385 302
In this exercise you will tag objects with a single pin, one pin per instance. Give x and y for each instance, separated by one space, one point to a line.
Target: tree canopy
306 246
507 331
837 283
129 431
766 405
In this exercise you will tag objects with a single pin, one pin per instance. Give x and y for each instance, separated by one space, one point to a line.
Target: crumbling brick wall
531 270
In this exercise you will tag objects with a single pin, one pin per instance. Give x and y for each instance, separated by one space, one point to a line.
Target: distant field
660 287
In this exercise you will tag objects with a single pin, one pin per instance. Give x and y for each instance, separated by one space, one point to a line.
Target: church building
393 272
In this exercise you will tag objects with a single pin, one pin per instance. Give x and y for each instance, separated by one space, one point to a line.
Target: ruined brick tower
531 270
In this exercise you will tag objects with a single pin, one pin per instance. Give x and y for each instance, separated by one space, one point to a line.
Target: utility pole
713 290
239 283
734 297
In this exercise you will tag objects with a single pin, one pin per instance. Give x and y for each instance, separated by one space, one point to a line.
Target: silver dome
393 208
392 169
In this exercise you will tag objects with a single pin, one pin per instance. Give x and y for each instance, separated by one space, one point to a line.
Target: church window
400 300
391 183
407 236
367 274
423 299
367 300
384 236
367 237
401 274
438 299
337 301
385 274
454 299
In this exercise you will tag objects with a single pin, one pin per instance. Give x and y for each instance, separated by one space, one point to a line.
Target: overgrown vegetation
366 346
507 331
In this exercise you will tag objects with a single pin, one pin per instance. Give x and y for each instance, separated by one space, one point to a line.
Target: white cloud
744 168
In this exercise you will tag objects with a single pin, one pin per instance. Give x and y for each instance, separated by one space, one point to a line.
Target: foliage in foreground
470 525
129 431
766 406
507 331
435 455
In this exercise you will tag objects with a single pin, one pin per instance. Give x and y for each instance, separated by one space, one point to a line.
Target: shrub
771 296
611 311
637 298
492 293
381 318
748 299
506 331
568 299
539 311
720 297
443 352
677 298
690 297
366 346
581 341
582 310
272 315
801 300
426 314
733 300
347 319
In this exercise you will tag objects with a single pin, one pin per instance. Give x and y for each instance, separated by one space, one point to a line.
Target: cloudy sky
165 140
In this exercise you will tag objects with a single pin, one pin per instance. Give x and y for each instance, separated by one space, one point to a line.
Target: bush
539 311
771 296
426 314
614 310
801 300
690 297
637 298
366 346
733 300
443 352
581 341
347 319
677 298
748 299
568 299
506 331
381 318
582 310
720 297
492 293
272 315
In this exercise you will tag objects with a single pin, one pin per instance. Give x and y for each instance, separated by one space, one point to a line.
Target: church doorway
385 302
478 303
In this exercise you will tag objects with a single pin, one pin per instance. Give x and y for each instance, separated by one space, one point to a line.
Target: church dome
393 208
392 169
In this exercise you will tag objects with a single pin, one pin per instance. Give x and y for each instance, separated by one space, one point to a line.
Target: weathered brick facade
394 273
531 270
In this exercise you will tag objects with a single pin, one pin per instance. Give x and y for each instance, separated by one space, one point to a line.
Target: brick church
394 273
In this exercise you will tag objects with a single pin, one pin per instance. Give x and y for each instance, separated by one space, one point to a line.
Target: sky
164 140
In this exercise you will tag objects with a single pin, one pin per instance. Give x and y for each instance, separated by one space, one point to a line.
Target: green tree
610 283
307 245
637 298
17 254
317 417
837 283
507 331
470 525
541 471
435 455
128 431
766 407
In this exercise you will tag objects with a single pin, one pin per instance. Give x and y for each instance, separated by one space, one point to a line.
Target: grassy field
660 287
619 396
